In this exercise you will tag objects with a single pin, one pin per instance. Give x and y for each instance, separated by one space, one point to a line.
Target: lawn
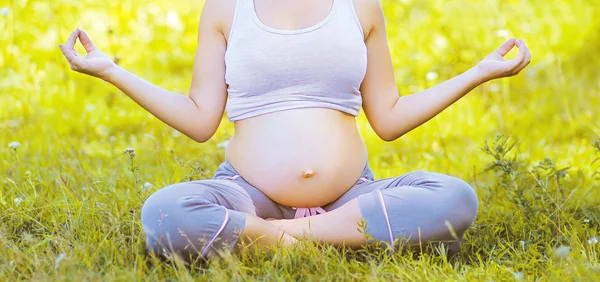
70 198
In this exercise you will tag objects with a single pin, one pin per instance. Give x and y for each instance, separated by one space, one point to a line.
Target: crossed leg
420 207
202 216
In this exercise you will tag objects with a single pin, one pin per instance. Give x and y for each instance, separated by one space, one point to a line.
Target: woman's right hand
96 63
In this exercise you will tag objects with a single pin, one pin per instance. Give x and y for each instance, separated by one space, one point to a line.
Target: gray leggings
204 216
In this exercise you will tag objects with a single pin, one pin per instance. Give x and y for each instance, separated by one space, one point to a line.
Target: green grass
70 199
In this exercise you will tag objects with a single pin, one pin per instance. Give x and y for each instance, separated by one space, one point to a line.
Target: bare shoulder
219 14
369 13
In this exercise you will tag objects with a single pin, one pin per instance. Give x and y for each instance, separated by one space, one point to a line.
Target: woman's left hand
494 66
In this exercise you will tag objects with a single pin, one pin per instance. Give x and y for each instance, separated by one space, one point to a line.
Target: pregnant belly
301 158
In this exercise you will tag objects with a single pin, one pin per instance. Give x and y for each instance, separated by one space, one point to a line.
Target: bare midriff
305 157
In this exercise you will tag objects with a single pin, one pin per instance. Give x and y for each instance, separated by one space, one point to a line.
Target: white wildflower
5 11
494 88
175 133
223 144
149 136
562 251
502 33
14 145
431 75
586 220
518 275
147 186
58 259
129 151
112 139
593 241
18 201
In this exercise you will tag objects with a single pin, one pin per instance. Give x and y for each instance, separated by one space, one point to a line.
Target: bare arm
392 116
198 115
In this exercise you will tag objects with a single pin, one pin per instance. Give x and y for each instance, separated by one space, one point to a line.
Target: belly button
308 173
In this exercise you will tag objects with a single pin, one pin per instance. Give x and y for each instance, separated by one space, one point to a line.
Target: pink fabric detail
233 177
363 179
218 232
306 212
387 219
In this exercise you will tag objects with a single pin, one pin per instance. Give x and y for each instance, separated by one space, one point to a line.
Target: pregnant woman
292 76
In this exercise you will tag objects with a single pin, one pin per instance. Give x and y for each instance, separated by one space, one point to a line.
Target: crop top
269 69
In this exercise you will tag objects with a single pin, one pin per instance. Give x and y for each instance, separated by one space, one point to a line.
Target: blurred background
70 196
552 107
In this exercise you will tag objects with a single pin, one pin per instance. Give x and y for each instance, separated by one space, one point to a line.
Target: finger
527 53
514 63
73 60
66 52
72 38
68 55
506 47
86 42
527 59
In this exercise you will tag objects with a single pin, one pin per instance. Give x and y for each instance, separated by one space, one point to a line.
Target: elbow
386 139
388 135
201 138
203 131
197 137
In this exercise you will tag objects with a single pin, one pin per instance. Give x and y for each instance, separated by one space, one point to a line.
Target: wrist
112 73
480 76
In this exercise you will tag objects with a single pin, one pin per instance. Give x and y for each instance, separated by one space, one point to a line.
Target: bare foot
266 233
288 226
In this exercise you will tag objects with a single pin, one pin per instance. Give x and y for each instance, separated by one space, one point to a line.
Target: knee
162 204
460 197
465 194
160 221
453 188
465 201
178 223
